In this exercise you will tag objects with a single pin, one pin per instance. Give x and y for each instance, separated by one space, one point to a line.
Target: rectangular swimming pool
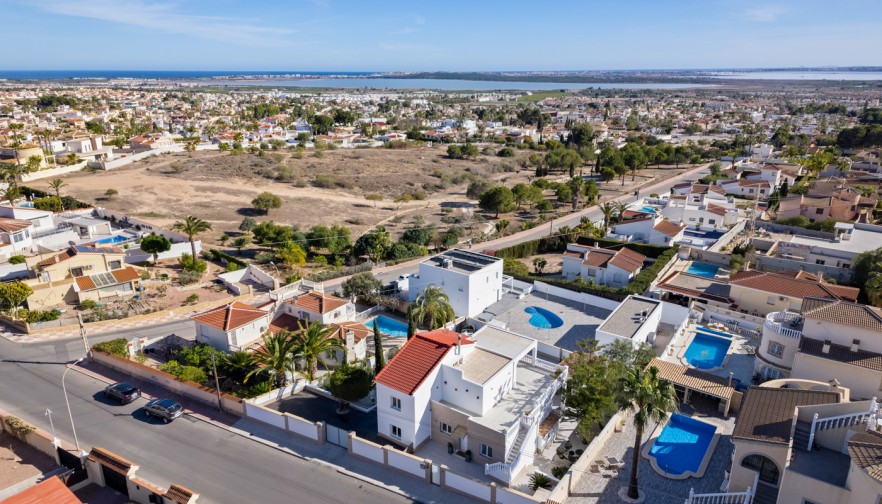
682 445
388 326
702 269
706 351
114 239
705 330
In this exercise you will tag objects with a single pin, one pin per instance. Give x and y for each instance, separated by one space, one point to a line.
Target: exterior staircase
516 447
801 436
765 494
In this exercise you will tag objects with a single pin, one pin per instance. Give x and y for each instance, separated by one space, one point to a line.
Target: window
115 265
395 431
776 349
77 272
845 266
820 261
396 403
712 221
592 272
771 300
446 428
819 211
486 451
768 471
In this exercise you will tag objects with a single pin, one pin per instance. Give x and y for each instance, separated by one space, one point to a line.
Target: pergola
691 379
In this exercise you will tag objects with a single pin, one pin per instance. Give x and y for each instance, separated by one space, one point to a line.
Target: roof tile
417 359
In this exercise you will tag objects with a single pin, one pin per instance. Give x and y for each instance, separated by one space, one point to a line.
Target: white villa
614 268
471 280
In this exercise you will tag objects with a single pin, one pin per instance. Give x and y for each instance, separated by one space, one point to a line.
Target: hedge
69 202
637 286
557 244
332 274
650 251
220 256
118 347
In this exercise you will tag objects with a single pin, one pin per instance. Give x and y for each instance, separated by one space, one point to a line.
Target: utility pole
83 335
220 403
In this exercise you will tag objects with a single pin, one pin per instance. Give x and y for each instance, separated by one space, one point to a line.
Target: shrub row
223 257
342 272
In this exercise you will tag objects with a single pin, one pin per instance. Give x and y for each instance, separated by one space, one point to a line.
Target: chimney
458 343
731 374
826 348
855 345
350 339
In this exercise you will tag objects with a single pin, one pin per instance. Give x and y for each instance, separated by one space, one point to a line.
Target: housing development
405 286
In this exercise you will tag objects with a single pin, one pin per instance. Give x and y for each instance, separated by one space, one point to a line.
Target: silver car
166 409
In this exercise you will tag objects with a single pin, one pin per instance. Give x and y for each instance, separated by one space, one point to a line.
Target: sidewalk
327 454
74 331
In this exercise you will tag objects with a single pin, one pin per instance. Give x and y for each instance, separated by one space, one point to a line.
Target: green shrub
231 266
17 259
118 347
192 299
559 471
19 427
189 277
184 373
513 267
88 304
32 316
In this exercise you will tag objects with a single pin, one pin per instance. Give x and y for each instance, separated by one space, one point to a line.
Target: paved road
662 187
221 466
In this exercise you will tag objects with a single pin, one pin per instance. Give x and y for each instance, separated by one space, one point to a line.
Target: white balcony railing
774 323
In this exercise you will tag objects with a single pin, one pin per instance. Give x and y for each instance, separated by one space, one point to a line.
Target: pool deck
580 321
593 488
738 361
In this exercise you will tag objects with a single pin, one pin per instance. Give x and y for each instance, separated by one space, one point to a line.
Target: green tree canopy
498 199
361 284
155 244
266 201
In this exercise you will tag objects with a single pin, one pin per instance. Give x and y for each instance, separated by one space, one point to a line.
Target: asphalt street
221 466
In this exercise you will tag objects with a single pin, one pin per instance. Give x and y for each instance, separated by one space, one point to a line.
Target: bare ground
219 187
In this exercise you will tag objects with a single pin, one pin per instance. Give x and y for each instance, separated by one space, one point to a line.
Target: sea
801 75
453 85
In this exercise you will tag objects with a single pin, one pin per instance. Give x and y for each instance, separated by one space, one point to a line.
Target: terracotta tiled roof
13 225
284 322
57 258
841 353
52 490
289 322
716 209
865 449
767 413
694 379
417 359
179 494
111 460
85 283
624 258
229 317
359 331
126 274
318 302
628 260
843 312
785 285
669 228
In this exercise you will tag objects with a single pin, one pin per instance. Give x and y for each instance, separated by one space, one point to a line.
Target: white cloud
419 19
764 14
165 18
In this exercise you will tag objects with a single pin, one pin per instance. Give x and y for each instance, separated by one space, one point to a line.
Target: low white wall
265 415
13 271
467 486
131 158
368 450
510 496
53 172
137 256
579 297
582 466
407 463
302 427
277 394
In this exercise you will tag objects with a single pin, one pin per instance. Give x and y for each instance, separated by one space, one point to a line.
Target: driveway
321 409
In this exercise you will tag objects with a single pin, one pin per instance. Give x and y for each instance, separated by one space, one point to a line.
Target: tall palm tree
311 341
649 398
276 356
620 207
192 226
238 365
608 210
432 308
56 186
16 140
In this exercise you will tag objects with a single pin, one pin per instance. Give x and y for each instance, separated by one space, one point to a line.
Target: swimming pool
388 326
542 318
706 351
681 446
705 330
648 209
702 269
114 239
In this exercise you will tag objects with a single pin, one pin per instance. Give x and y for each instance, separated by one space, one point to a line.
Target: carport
687 380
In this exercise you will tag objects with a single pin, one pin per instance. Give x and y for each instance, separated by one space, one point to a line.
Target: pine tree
379 360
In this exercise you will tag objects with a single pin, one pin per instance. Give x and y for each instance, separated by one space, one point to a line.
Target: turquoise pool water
707 351
389 327
542 318
682 444
701 269
648 209
705 330
113 239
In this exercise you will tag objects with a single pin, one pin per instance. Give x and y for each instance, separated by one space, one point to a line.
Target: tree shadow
250 212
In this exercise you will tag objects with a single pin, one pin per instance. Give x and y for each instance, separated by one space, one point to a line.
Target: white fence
407 463
508 496
368 450
285 421
579 297
265 415
582 465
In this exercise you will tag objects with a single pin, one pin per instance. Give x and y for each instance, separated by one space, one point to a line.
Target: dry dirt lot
219 187
19 461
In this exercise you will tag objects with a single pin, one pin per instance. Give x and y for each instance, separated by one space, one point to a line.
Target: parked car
122 392
166 409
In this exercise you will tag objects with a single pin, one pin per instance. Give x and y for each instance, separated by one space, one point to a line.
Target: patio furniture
612 473
614 463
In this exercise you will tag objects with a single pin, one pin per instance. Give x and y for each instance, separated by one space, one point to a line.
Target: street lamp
48 413
64 389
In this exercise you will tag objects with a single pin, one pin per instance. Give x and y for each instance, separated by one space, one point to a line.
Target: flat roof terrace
580 320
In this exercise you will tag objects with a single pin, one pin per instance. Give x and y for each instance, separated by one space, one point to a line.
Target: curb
265 442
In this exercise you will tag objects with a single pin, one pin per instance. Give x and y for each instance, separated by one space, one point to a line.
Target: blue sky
325 35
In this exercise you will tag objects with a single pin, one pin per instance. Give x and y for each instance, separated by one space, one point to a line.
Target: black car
166 409
122 392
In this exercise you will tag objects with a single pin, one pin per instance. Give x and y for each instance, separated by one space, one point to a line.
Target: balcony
785 323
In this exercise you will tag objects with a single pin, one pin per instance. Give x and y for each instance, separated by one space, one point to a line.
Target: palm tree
276 356
432 308
192 226
649 398
16 140
56 185
311 341
238 365
620 207
608 210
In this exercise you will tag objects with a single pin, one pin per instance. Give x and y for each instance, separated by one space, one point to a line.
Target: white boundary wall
508 496
468 486
407 463
368 450
265 415
302 427
52 172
